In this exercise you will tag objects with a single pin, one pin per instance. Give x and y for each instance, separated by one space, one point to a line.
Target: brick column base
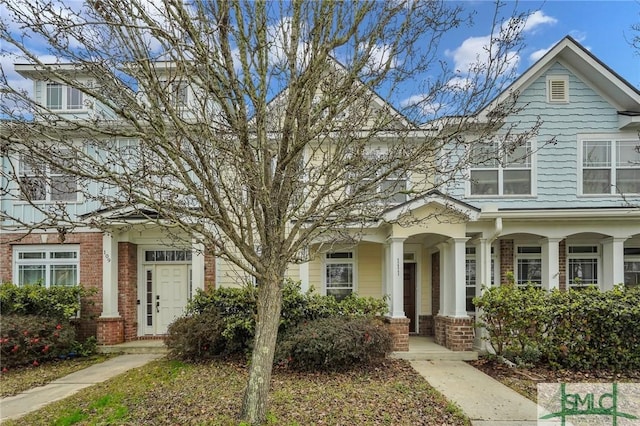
426 325
110 331
399 329
456 334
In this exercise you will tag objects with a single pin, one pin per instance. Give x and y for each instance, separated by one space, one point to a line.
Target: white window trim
381 151
64 98
534 177
597 256
354 261
631 258
47 261
534 256
564 79
613 140
47 175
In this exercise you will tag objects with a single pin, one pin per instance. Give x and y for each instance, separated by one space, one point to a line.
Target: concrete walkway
18 405
483 399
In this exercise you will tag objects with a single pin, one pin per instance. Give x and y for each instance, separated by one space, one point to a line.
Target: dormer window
558 89
61 97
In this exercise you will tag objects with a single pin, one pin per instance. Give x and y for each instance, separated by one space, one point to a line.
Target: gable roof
568 52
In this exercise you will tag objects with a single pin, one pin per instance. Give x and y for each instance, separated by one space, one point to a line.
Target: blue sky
602 26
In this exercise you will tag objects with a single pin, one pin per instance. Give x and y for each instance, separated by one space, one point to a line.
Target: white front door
166 296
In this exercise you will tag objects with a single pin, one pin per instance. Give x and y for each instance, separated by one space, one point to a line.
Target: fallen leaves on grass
12 382
169 392
525 380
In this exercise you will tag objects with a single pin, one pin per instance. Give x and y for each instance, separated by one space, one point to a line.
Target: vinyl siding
556 164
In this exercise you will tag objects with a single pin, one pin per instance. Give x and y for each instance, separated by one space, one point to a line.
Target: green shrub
516 319
238 309
197 336
335 343
54 302
31 339
582 329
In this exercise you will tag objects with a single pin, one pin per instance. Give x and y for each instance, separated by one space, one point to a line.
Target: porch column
484 278
395 275
109 276
612 262
445 296
550 263
197 266
459 283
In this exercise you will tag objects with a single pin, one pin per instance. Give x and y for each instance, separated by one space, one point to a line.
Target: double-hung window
582 265
339 274
391 187
529 266
61 97
45 183
500 171
46 265
610 167
632 266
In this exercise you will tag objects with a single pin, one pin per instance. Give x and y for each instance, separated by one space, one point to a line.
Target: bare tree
285 141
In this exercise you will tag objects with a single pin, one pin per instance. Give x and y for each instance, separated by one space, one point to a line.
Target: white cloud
423 102
537 19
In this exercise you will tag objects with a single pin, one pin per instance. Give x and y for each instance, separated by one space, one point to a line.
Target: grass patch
19 380
169 392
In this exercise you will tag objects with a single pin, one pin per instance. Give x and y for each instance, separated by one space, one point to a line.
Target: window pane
340 255
34 188
31 255
64 188
596 181
628 181
64 255
628 154
520 157
484 182
529 249
339 275
31 274
517 182
74 98
583 272
596 154
529 271
54 96
64 275
484 155
391 190
583 249
632 273
339 294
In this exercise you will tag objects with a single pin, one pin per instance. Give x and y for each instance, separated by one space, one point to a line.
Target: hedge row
35 326
578 329
316 332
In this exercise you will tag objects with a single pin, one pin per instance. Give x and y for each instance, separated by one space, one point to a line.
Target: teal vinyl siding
587 112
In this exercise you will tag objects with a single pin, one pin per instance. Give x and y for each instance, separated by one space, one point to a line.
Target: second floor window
61 97
496 172
610 167
44 183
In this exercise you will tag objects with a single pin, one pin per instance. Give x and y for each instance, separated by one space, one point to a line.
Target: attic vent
557 89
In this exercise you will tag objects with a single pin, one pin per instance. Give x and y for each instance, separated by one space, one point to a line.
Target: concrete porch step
135 347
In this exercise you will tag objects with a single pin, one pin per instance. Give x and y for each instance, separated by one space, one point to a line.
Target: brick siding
506 260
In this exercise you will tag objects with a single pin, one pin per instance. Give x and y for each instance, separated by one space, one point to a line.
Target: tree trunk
254 405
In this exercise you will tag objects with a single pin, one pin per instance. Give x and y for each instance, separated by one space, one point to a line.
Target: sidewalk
18 405
483 399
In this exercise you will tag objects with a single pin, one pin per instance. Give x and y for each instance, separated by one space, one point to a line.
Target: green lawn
173 393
